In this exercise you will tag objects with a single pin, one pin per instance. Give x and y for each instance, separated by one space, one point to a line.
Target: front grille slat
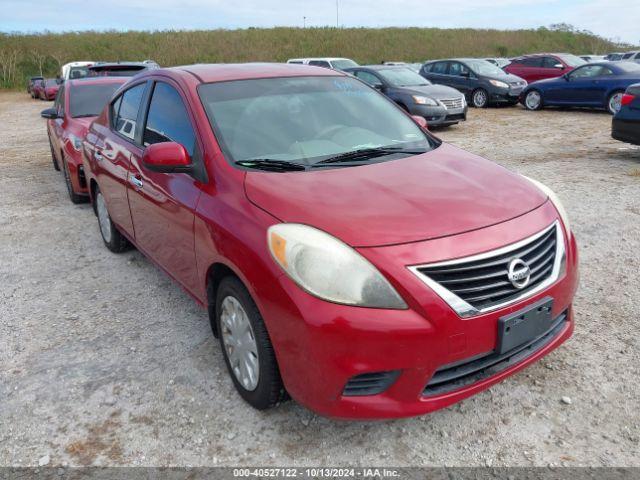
452 103
484 282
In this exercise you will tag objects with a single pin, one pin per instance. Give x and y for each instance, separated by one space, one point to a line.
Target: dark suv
482 82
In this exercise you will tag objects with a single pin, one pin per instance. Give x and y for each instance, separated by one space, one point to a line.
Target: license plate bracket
524 325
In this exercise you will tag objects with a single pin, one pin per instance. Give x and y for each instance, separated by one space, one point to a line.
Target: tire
73 196
236 312
111 236
53 157
533 100
480 98
613 102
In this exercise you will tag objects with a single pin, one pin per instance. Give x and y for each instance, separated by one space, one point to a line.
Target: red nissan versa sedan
77 104
346 256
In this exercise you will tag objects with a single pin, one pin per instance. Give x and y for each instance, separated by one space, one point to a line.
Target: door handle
97 155
136 181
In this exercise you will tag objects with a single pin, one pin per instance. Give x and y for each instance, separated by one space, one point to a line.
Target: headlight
328 268
424 100
498 83
555 200
75 142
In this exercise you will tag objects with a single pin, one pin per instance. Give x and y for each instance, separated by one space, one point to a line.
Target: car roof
329 59
220 72
379 67
97 80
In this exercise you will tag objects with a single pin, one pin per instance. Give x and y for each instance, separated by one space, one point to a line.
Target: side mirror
465 74
422 123
566 77
50 113
379 86
167 157
559 65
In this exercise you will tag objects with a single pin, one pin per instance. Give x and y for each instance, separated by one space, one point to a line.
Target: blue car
595 85
626 123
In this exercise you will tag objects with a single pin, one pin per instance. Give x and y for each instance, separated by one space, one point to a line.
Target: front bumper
324 345
505 95
437 116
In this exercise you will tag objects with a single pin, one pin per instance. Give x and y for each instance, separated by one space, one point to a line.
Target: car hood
443 192
507 77
439 92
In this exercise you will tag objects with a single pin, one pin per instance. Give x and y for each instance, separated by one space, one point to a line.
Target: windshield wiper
271 165
365 154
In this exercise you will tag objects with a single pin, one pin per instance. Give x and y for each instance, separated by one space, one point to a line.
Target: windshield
402 77
343 63
572 60
89 100
305 120
51 82
484 68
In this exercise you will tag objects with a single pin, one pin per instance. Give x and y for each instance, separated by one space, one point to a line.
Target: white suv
327 62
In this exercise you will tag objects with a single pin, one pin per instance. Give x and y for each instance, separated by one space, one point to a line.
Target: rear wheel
112 238
480 98
73 196
533 100
614 102
246 346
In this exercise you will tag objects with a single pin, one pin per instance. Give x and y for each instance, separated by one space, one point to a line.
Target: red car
49 89
543 65
344 254
37 88
76 106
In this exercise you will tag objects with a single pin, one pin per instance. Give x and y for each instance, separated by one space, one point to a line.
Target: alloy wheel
240 343
533 99
480 98
615 102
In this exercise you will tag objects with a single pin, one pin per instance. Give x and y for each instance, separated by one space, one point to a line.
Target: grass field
23 55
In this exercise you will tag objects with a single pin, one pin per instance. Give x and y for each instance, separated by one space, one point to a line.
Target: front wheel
614 102
533 100
246 346
480 98
112 238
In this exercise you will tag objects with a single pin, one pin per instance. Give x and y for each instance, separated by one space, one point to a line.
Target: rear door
437 72
163 204
113 151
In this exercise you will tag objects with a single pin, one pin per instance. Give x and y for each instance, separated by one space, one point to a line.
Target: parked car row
352 260
47 88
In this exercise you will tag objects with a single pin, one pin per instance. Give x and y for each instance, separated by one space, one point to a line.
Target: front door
163 204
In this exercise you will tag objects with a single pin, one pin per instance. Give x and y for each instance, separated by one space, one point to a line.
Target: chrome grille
453 103
480 283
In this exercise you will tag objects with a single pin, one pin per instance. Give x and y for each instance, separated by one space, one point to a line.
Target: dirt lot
103 360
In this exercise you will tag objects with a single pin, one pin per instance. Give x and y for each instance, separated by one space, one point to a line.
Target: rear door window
532 62
439 68
125 111
168 120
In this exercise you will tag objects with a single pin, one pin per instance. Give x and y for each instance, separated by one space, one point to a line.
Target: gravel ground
104 361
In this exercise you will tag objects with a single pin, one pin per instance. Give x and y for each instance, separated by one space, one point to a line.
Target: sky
614 19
